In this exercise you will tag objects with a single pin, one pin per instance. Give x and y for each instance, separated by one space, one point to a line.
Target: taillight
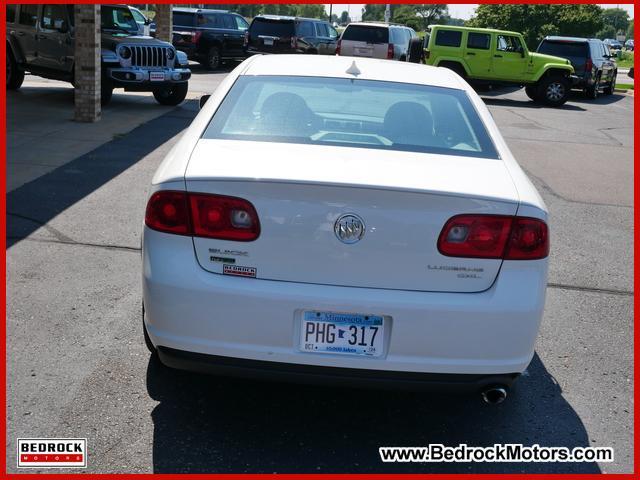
225 218
529 239
338 47
588 66
195 36
294 42
202 215
246 38
390 51
167 211
494 236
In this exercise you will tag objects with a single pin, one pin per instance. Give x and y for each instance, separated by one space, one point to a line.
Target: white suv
376 40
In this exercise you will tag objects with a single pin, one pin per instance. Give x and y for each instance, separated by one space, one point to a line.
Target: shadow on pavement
214 424
32 205
508 102
579 97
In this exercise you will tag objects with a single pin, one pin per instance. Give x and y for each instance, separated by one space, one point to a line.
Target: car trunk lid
300 191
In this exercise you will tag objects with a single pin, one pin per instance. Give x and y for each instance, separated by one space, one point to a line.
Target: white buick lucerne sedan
345 220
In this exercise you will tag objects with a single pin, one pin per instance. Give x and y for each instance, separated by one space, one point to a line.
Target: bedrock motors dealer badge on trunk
52 452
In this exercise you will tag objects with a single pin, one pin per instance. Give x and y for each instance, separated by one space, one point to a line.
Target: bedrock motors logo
52 452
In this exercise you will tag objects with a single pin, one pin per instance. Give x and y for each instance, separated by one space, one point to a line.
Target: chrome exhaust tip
494 395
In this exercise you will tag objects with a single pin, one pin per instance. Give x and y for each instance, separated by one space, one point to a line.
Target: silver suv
376 40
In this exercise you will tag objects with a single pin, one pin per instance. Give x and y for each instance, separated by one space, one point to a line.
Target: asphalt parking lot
78 367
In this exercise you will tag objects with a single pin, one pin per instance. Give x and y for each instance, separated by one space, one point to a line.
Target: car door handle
498 56
470 53
20 34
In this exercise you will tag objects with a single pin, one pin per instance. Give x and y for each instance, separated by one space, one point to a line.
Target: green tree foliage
615 20
344 19
416 16
374 12
536 21
251 10
630 30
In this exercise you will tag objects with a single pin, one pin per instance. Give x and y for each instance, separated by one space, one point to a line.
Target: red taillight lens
338 47
195 36
225 218
294 42
246 38
390 51
529 240
588 66
203 215
168 211
494 236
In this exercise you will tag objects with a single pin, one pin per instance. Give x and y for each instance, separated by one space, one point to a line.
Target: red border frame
3 338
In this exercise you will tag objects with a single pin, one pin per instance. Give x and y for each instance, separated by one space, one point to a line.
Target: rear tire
212 61
553 90
172 95
531 92
106 92
15 75
593 91
612 84
415 51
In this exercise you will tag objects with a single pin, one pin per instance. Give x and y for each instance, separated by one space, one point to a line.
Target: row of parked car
40 40
481 56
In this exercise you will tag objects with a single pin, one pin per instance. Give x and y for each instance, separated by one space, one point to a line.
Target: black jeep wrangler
41 40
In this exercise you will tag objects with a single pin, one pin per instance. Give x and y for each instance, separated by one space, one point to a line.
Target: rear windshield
183 19
351 113
564 49
364 33
272 28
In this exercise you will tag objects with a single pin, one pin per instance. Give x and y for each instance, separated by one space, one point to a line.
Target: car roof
337 66
371 24
198 10
472 29
557 38
287 17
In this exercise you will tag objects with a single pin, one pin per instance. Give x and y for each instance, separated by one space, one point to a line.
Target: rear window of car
272 28
448 38
183 19
564 49
351 113
365 33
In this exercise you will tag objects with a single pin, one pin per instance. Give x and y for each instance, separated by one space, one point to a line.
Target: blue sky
464 11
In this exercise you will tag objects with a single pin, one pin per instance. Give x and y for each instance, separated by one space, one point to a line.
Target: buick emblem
349 228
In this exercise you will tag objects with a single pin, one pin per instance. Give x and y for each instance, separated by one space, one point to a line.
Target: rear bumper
487 333
345 377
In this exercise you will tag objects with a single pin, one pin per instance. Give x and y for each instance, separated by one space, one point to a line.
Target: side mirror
630 74
203 100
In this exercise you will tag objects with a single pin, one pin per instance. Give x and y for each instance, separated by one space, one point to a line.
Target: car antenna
353 69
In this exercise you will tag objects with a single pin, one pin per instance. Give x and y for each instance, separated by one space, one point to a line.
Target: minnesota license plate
156 76
342 333
268 41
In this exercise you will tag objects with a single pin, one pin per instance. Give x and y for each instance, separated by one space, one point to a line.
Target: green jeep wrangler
496 57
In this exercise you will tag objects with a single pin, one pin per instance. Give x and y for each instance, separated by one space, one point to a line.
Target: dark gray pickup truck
41 40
